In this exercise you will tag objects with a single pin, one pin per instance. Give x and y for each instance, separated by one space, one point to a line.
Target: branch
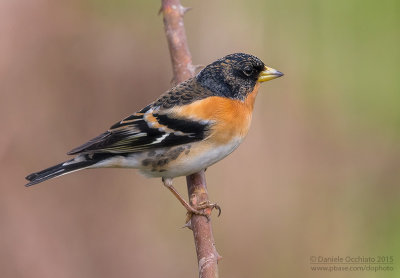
174 29
207 255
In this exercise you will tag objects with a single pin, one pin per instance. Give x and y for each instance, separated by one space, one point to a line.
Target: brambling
188 128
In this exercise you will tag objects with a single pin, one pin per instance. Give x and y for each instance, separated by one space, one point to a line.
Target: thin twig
207 255
174 29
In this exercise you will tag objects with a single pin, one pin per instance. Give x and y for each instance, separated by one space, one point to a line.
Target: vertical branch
183 69
207 255
174 29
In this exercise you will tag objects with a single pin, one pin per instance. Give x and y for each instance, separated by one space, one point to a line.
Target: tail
78 163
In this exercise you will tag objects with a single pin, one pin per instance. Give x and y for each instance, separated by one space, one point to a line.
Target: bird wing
155 126
145 130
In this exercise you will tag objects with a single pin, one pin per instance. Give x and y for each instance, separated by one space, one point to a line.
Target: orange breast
232 117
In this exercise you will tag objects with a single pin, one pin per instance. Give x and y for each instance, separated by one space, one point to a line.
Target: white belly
173 162
195 161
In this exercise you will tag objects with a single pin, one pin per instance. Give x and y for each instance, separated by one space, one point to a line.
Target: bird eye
248 70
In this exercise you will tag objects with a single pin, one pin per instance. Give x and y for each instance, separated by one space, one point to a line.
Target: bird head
235 75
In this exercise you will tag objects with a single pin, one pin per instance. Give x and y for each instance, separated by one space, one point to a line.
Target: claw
219 209
208 204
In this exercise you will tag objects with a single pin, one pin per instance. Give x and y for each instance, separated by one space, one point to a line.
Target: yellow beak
269 74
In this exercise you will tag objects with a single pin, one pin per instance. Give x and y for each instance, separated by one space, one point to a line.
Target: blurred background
318 174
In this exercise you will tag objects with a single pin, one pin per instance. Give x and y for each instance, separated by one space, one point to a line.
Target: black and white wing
146 130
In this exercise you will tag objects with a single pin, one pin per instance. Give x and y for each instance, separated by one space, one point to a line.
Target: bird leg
191 210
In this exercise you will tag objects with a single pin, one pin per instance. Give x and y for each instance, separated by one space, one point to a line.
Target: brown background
317 175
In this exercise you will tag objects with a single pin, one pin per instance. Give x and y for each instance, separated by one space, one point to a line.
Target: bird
187 129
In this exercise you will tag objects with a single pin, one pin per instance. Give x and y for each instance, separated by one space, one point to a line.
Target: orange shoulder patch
232 117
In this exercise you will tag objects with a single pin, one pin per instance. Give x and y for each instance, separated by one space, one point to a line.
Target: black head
233 76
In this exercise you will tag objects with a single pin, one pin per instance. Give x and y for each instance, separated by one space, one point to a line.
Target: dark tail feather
78 163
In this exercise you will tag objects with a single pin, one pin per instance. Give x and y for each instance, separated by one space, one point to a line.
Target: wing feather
143 131
153 126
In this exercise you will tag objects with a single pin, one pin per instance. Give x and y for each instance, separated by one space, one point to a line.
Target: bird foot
201 210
